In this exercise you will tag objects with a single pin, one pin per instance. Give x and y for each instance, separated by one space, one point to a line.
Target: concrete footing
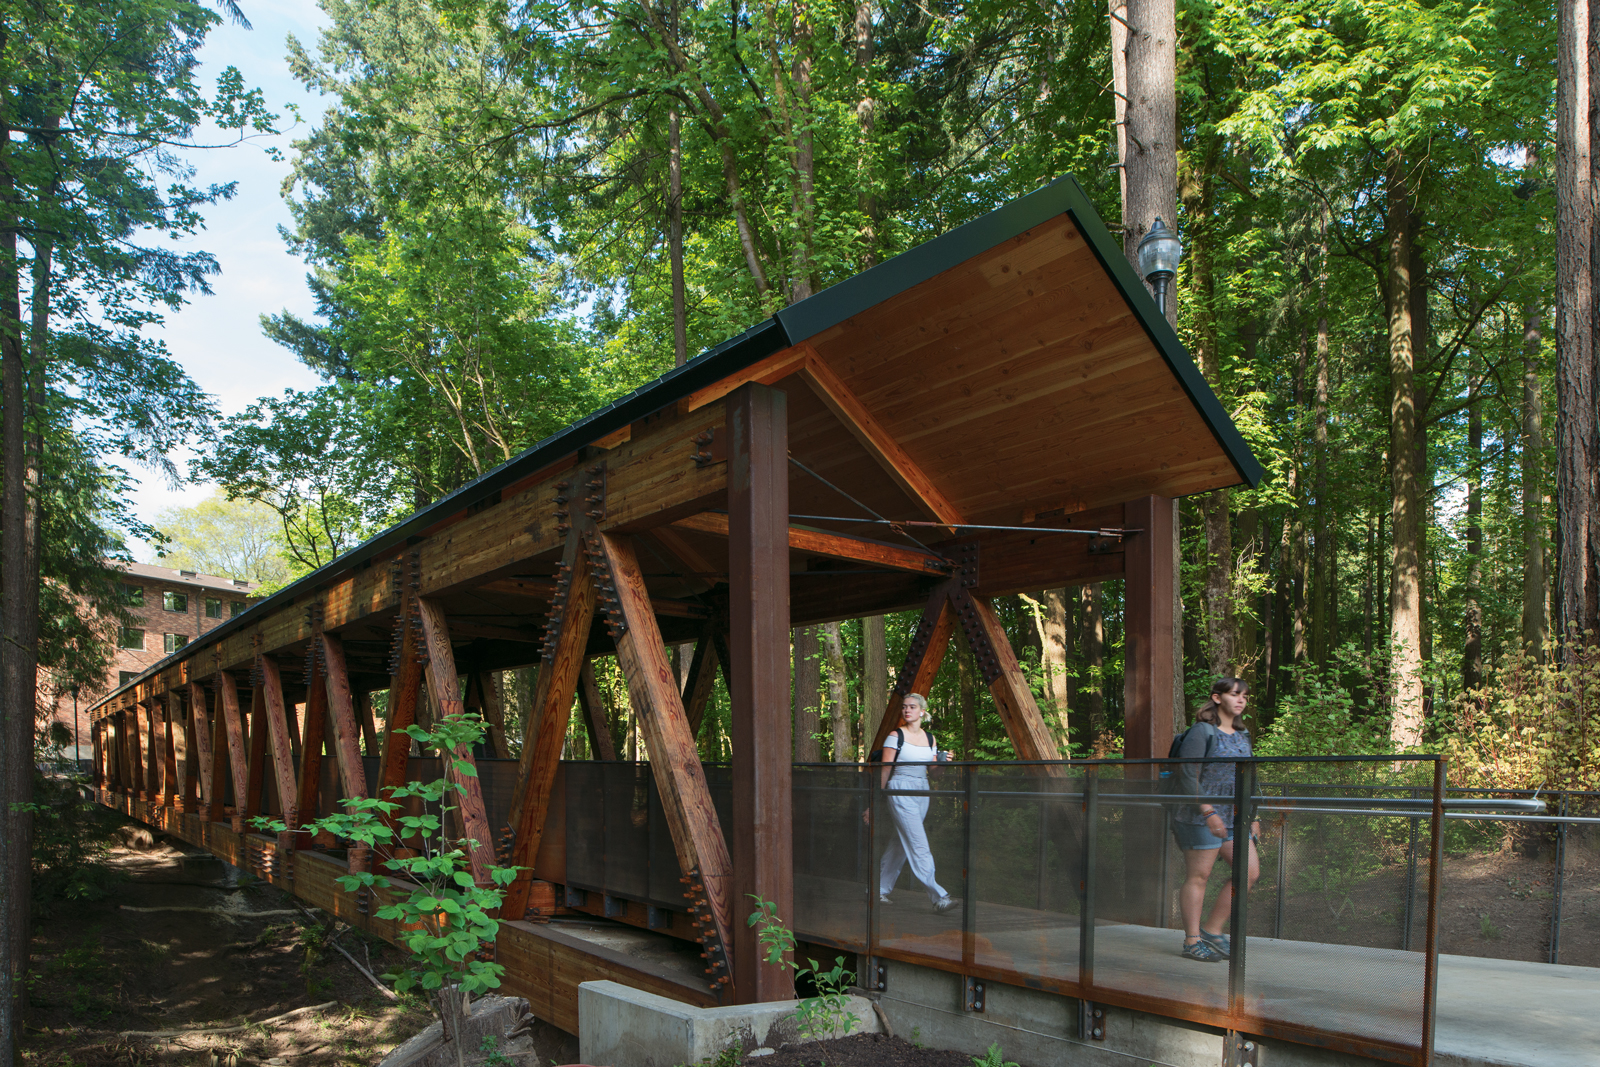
620 1026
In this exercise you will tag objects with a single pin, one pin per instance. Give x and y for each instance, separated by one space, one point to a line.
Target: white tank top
911 760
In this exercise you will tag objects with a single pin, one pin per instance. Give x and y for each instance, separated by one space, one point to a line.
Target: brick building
170 608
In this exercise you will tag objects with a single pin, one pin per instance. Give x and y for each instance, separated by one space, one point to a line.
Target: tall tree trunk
1576 459
1149 156
874 675
1055 649
1093 643
805 196
968 688
836 684
1247 628
680 314
807 695
1405 580
1535 588
1221 637
866 118
1322 572
1472 621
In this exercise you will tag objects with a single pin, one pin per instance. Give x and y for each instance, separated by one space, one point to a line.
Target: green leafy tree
94 100
445 917
230 538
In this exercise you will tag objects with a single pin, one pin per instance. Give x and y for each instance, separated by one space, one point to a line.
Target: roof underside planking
1012 372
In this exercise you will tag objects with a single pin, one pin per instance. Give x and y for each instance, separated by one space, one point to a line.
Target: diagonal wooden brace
567 637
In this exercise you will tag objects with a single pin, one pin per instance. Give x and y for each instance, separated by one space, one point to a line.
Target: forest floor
101 970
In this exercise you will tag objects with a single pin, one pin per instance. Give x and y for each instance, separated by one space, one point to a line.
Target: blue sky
218 338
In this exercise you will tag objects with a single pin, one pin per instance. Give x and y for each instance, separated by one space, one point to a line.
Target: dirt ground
860 1050
100 971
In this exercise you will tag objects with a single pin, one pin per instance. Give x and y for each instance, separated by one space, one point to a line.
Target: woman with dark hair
906 755
1206 829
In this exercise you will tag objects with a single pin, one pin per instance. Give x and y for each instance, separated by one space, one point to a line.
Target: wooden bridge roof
1012 372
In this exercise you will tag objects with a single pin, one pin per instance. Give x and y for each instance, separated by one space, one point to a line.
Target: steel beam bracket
972 994
1241 1050
1091 1021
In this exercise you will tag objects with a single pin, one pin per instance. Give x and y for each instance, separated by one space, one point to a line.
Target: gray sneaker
945 904
883 898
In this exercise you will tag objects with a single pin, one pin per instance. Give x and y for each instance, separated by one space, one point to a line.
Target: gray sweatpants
910 841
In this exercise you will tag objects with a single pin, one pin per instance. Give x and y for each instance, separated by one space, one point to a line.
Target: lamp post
77 749
1159 253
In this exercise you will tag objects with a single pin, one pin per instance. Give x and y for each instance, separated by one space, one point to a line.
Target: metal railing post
1244 806
1430 974
874 772
1411 881
1283 867
1561 870
1086 891
969 863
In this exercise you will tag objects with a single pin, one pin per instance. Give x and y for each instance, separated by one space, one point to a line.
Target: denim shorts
1196 835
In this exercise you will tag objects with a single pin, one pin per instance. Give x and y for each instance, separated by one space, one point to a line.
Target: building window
127 637
175 642
175 601
124 677
236 608
213 608
133 595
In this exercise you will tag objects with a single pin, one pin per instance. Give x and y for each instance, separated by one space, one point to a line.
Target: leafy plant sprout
828 1013
444 918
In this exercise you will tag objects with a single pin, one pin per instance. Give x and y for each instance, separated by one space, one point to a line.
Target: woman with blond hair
906 755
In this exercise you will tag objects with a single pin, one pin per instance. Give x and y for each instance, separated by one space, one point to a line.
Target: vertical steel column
1043 824
758 639
1283 867
1086 891
1244 810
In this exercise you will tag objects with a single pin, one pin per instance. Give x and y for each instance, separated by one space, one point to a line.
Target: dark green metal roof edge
788 327
1161 334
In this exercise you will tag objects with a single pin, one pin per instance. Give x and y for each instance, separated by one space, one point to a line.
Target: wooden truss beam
674 759
595 722
884 449
443 682
233 727
405 688
700 681
281 750
341 709
834 546
260 736
923 659
484 696
312 744
565 642
652 479
200 757
545 590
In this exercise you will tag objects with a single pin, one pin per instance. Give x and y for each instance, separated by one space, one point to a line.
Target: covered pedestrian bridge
999 410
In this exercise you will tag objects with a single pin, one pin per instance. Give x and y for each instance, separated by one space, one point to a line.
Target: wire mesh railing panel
1130 951
918 838
498 780
1577 936
1349 895
832 856
1024 868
